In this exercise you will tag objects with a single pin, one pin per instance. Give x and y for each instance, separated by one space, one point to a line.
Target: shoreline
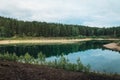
43 41
47 41
112 46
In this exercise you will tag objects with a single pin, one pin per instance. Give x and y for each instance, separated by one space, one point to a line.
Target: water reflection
99 59
90 52
51 50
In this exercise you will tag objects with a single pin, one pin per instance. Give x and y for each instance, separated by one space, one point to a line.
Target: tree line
12 27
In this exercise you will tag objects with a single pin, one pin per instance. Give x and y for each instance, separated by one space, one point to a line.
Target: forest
10 27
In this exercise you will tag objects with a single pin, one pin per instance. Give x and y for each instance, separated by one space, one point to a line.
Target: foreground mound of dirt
19 71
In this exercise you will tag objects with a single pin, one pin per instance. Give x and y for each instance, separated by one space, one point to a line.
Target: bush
41 58
62 63
28 58
80 66
9 57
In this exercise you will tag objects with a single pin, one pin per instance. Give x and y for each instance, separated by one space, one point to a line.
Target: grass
61 63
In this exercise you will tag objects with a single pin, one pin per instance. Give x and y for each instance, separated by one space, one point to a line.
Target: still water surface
90 52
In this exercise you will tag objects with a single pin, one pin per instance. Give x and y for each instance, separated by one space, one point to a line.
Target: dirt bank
47 41
20 71
43 41
113 46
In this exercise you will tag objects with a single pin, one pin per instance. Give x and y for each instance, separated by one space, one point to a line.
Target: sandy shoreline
41 41
47 41
113 46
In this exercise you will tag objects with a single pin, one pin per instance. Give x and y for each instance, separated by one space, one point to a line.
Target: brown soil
20 71
113 46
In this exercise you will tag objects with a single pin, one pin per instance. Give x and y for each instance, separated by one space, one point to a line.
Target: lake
89 52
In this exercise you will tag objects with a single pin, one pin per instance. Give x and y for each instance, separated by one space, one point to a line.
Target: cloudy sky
84 12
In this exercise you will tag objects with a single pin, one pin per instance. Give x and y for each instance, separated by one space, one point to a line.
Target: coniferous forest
12 27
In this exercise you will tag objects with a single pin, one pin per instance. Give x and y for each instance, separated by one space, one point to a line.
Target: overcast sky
84 12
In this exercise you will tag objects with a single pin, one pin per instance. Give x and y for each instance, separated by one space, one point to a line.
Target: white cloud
87 12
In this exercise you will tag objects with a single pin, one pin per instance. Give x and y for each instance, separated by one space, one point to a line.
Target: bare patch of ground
19 71
113 46
47 41
43 41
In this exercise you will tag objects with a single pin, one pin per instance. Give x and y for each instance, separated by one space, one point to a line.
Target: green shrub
41 58
28 58
87 68
21 58
14 57
62 62
80 66
9 57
